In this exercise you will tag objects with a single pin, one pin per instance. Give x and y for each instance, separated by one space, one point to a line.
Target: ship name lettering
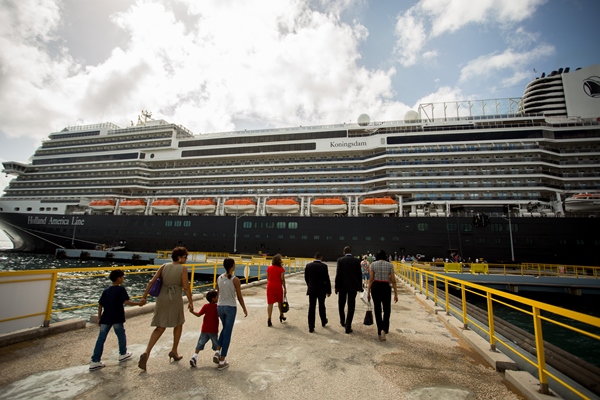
36 221
77 221
347 144
59 221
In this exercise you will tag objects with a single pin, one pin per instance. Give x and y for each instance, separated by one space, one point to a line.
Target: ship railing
558 371
38 297
522 269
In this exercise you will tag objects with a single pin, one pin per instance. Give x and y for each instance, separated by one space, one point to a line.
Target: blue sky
219 65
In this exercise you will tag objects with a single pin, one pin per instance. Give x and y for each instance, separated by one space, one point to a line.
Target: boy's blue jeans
227 315
104 329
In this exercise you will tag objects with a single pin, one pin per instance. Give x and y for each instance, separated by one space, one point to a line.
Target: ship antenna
147 115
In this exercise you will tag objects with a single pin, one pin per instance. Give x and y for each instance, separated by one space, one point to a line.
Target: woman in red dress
276 289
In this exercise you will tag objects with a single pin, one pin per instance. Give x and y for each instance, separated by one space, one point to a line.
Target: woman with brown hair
168 310
276 289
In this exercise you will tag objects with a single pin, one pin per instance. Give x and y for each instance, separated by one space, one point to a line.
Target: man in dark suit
316 275
348 281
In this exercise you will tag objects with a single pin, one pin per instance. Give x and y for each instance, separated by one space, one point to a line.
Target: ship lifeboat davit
583 202
104 205
133 206
282 206
200 206
169 206
378 205
239 206
329 205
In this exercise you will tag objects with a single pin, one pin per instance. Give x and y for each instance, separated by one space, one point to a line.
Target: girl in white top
229 289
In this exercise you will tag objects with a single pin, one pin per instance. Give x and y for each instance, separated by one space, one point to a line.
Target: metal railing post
490 311
50 300
539 347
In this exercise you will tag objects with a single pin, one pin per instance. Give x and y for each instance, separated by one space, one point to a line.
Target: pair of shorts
204 338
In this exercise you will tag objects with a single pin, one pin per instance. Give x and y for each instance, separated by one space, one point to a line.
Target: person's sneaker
382 337
223 366
96 365
193 362
216 357
125 357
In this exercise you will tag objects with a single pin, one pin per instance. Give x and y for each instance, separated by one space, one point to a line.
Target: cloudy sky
221 65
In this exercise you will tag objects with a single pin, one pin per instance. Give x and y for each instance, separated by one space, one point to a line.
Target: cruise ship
501 180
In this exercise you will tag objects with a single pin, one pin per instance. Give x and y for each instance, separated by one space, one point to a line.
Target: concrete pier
424 357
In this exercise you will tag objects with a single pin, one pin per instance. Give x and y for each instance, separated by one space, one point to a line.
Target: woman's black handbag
369 315
285 306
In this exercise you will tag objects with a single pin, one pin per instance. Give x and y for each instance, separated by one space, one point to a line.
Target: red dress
274 284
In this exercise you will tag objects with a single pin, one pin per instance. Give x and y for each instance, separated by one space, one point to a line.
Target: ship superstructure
508 158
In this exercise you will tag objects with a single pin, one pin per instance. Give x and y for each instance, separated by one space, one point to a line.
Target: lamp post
235 231
512 249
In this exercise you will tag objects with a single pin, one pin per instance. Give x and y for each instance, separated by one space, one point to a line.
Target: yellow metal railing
534 269
420 278
15 283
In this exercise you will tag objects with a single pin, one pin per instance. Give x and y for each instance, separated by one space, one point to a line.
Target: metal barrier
31 293
420 278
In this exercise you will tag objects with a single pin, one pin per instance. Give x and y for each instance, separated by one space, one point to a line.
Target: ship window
177 223
316 237
157 233
247 225
281 225
382 238
292 236
258 225
496 227
279 236
368 238
54 208
187 224
498 240
41 209
355 238
580 242
292 225
563 241
530 241
28 208
342 238
257 236
328 237
481 240
423 227
395 239
304 237
466 227
270 225
168 223
246 236
17 208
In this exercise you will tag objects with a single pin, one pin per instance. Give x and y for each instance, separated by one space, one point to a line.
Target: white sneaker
193 362
223 366
216 357
125 357
96 365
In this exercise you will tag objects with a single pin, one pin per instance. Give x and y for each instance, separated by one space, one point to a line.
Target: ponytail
228 264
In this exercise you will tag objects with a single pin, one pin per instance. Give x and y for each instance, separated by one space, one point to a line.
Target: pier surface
421 359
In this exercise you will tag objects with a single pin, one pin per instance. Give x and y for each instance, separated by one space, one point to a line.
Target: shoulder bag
155 288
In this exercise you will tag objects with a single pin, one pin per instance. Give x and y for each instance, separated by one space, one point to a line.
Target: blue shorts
366 276
204 338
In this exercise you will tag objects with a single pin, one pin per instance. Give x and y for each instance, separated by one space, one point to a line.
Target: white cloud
432 18
510 60
283 63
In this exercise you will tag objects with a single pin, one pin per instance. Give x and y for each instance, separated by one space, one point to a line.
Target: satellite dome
363 120
411 115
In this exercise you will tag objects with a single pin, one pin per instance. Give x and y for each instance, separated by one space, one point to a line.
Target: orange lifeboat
104 205
169 206
200 206
329 205
378 205
239 206
133 206
282 206
583 202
